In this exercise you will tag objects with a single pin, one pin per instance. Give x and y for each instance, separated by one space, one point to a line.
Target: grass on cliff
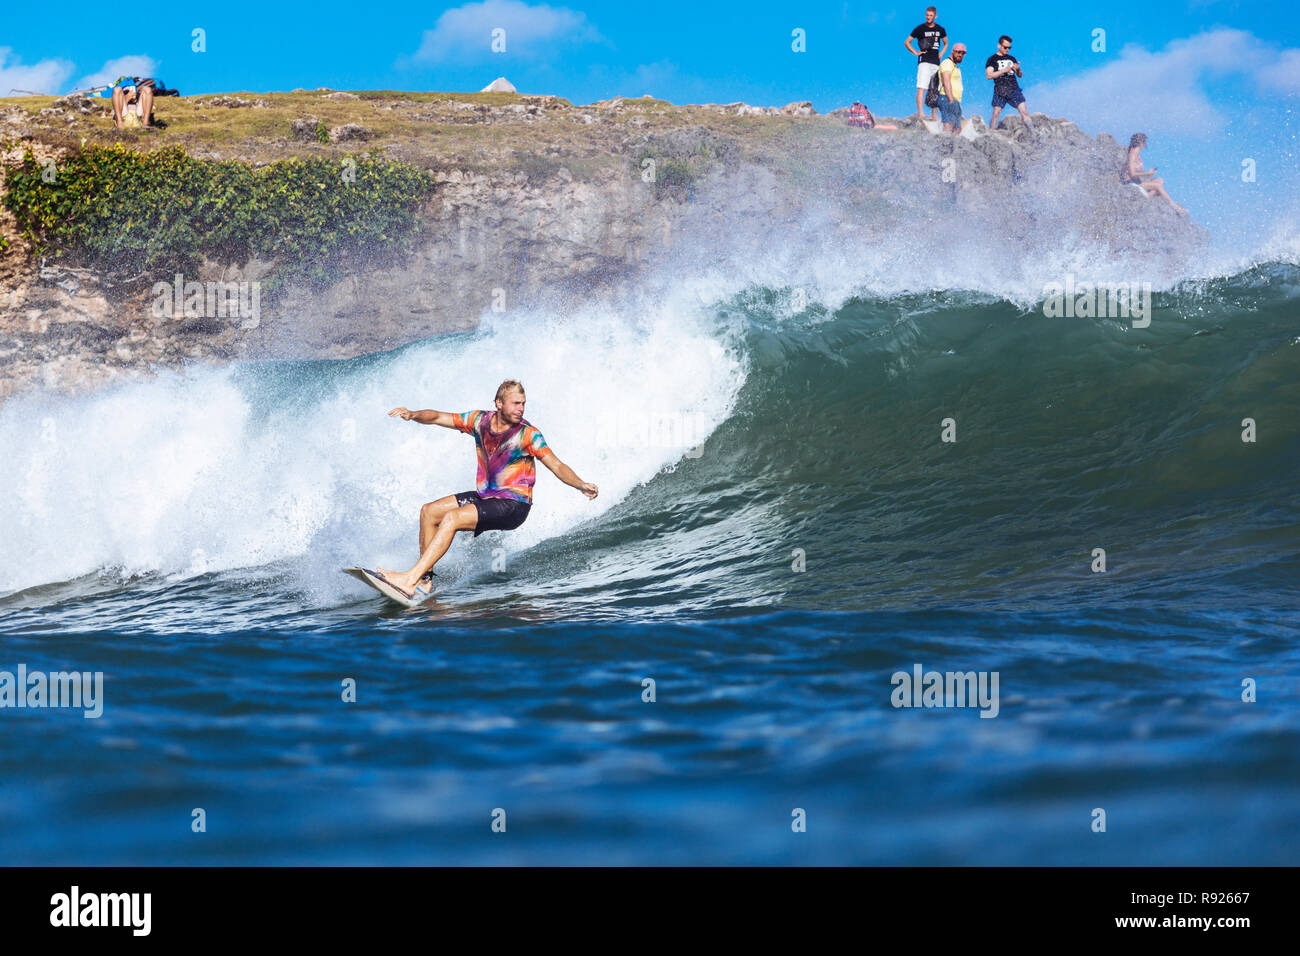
438 131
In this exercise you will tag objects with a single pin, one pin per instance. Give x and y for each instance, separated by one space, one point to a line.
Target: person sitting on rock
950 90
1132 172
132 102
1003 68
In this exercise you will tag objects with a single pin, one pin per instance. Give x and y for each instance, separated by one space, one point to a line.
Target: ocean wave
734 435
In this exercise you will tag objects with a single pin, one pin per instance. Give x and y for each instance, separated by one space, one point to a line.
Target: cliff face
538 201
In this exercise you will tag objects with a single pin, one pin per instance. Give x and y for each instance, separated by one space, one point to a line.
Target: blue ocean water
781 529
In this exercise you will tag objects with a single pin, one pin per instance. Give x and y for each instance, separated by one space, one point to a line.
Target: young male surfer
507 446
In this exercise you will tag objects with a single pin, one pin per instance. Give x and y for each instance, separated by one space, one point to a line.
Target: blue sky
1212 83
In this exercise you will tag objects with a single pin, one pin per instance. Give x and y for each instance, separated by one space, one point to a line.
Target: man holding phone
1003 68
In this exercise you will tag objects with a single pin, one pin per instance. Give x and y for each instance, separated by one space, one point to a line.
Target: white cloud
465 33
47 76
134 65
1282 75
1165 90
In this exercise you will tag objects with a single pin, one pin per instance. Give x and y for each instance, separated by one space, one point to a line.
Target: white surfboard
388 591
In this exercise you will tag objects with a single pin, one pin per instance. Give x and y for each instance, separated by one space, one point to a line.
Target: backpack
861 117
932 93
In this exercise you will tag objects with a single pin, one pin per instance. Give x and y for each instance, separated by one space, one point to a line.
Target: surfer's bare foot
399 580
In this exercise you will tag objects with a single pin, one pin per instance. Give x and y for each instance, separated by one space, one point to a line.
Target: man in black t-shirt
1003 68
932 40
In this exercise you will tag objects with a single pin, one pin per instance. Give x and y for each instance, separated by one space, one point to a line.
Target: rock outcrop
548 224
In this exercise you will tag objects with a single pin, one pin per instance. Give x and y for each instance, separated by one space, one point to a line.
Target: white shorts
924 73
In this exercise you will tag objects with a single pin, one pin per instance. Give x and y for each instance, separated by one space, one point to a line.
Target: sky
1214 83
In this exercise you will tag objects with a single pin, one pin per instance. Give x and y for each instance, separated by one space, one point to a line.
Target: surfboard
387 590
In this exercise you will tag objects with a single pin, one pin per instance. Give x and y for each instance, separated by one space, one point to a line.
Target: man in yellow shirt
950 89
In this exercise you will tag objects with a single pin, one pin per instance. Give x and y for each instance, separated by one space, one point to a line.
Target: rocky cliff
538 201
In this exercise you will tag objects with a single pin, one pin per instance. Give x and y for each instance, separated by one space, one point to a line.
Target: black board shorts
495 514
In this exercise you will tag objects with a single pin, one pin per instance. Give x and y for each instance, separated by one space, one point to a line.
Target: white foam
753 232
211 470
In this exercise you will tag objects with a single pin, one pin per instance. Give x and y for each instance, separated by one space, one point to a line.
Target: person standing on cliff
932 40
507 447
950 89
1003 68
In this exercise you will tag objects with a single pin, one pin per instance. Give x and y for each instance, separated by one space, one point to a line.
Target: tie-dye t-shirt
505 462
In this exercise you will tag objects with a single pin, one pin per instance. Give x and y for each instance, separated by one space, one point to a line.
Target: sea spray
206 470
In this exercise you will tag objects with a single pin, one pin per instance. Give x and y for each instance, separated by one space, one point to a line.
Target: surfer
507 446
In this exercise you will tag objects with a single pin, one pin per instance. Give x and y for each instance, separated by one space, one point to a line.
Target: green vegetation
681 158
676 179
129 212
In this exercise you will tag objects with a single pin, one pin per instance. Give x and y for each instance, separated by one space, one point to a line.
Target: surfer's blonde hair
508 386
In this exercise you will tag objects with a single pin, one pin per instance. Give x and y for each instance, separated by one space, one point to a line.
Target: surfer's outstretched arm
567 475
425 416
